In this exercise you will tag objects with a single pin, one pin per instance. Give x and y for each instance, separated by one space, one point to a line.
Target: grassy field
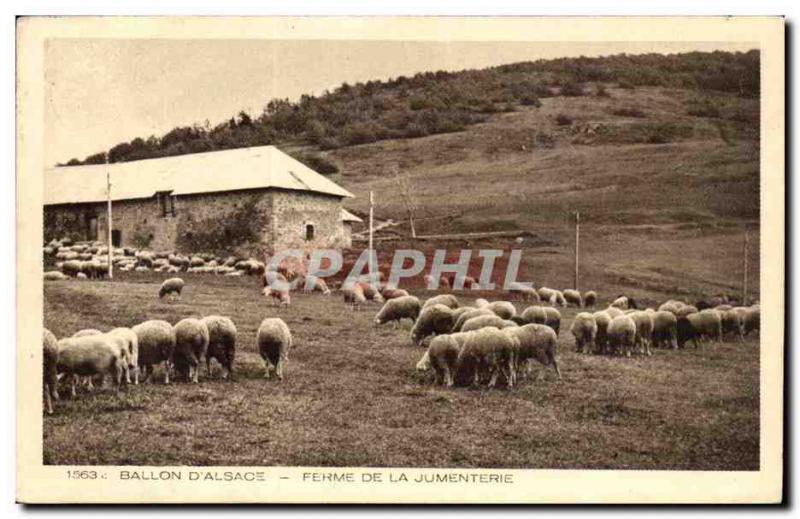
351 397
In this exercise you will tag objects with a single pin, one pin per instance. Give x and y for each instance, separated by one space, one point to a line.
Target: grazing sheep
54 275
750 317
584 329
221 343
487 353
434 319
624 303
685 310
644 330
277 297
535 341
696 326
613 311
481 302
191 344
130 342
91 355
462 316
523 292
447 300
393 293
731 322
395 310
461 310
621 334
172 287
484 321
274 342
671 306
602 319
354 296
50 371
534 314
552 296
552 318
371 293
573 297
503 309
156 344
590 299
665 329
81 276
442 356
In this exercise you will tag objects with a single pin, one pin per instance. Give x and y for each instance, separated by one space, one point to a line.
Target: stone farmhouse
251 201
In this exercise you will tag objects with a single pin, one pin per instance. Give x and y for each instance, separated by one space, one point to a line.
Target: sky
100 92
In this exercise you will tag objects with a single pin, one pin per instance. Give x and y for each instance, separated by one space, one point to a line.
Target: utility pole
577 244
110 246
371 204
744 271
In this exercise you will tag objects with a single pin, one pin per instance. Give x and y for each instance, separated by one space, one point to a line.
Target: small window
309 232
166 202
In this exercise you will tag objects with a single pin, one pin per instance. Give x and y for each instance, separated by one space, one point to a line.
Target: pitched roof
347 216
210 172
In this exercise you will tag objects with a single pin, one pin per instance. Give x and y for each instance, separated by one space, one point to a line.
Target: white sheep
274 342
461 316
621 335
50 369
486 321
91 355
573 297
486 354
699 325
434 319
602 319
644 330
442 356
502 309
589 299
191 344
447 300
156 344
535 342
397 309
665 329
54 275
584 329
172 287
127 338
221 343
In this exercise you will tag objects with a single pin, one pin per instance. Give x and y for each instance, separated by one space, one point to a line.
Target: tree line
440 102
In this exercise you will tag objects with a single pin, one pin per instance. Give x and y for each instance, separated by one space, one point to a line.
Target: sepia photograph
334 259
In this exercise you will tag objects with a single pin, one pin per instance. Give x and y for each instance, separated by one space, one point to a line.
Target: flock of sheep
466 345
89 260
114 355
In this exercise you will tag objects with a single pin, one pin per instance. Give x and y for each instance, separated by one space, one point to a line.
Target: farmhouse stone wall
247 222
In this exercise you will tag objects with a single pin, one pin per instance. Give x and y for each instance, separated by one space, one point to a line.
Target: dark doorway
91 231
309 232
116 237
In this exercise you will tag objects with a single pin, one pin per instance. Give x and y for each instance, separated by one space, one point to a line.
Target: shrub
666 132
564 120
530 100
601 91
572 89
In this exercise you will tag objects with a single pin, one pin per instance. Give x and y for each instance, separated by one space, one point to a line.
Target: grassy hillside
658 218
